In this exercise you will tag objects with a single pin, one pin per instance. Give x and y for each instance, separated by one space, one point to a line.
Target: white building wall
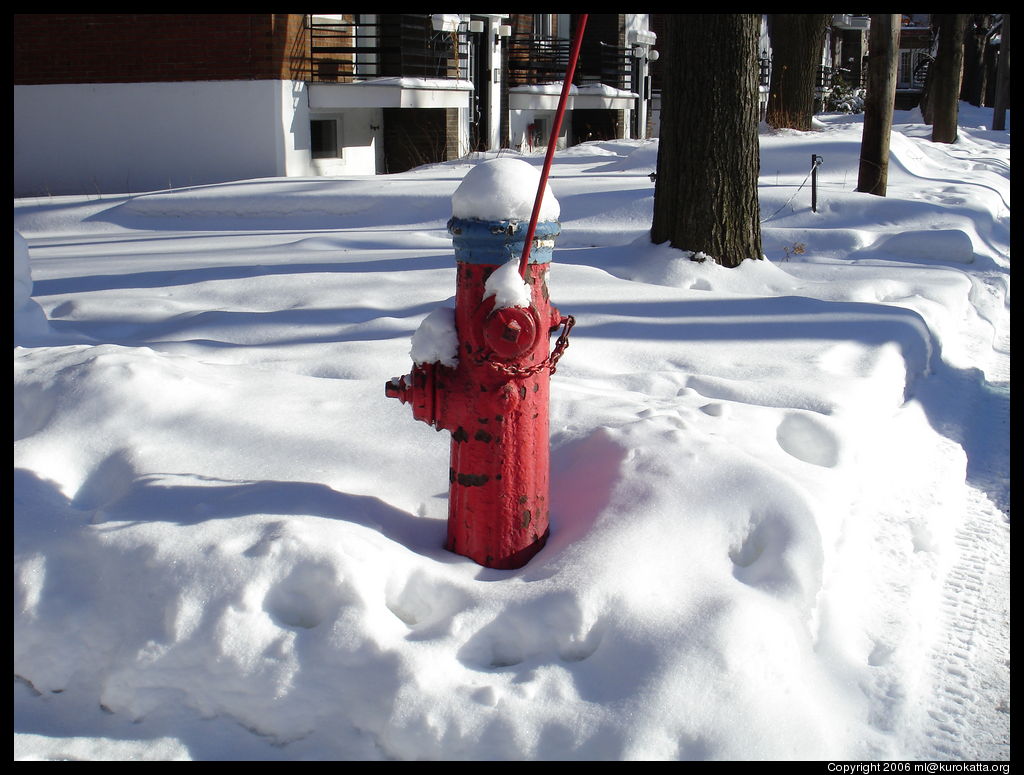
135 137
132 138
521 122
292 129
360 137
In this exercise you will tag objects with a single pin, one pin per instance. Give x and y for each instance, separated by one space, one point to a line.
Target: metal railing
614 67
533 60
537 60
396 45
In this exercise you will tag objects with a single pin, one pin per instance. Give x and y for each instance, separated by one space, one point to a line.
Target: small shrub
843 98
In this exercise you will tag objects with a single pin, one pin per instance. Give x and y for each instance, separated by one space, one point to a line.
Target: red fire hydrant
494 401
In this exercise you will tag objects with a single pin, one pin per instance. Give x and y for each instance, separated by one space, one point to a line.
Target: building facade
115 103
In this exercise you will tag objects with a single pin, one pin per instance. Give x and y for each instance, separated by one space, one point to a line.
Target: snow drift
778 527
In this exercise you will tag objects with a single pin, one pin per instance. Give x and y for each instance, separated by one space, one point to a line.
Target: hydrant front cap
502 189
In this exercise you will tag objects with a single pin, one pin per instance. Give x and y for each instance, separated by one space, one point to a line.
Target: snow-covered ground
780 522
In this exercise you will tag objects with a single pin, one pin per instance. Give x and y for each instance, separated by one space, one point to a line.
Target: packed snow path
972 655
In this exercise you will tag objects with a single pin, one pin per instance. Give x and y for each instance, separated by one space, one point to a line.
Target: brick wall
134 48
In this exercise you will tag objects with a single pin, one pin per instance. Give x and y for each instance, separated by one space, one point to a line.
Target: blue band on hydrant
497 242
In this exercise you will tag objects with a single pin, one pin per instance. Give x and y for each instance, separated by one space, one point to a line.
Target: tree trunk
1001 100
884 42
797 42
972 89
926 95
705 196
991 67
947 71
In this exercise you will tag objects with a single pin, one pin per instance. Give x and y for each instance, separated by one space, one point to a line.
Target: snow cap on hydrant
502 189
482 370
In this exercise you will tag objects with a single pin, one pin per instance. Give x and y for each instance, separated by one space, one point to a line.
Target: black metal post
815 161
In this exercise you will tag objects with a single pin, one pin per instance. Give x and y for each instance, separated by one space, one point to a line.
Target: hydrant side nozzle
418 390
396 388
556 321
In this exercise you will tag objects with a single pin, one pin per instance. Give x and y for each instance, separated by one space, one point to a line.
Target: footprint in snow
305 597
550 630
807 438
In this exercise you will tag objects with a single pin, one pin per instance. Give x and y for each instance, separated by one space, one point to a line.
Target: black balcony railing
394 45
533 60
615 67
537 60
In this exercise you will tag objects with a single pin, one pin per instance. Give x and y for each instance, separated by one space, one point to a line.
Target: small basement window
323 134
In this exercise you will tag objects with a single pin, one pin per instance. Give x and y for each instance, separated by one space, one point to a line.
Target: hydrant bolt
511 332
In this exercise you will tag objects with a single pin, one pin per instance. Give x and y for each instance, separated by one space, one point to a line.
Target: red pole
556 127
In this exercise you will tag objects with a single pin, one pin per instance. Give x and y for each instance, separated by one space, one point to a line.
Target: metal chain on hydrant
548 363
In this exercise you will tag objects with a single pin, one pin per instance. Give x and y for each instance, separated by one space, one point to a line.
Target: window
323 135
905 69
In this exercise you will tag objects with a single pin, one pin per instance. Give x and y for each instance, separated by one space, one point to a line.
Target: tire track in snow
968 716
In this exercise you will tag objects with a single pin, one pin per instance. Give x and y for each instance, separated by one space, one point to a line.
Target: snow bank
941 246
29 319
22 272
